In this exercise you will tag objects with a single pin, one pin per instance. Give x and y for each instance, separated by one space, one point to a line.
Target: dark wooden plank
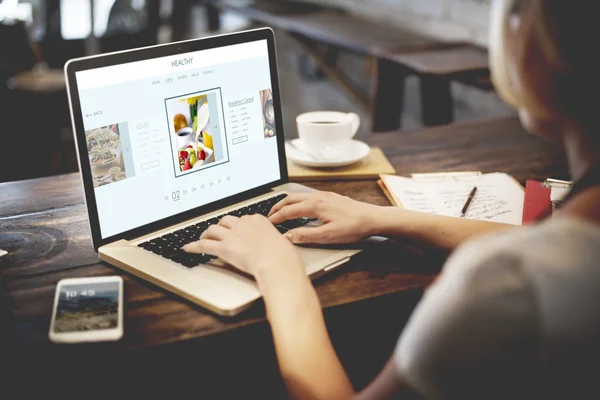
33 195
363 190
496 145
46 241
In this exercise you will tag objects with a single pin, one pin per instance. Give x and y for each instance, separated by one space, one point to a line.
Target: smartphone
87 310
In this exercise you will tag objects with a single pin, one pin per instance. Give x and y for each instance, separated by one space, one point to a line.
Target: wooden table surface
43 225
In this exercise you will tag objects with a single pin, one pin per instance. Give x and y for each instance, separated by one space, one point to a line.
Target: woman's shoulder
564 244
505 302
557 262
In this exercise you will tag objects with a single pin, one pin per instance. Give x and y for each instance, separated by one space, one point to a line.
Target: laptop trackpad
311 256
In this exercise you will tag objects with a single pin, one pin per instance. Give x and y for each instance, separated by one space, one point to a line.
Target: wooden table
43 225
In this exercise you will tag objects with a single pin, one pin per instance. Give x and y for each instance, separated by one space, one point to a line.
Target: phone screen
87 307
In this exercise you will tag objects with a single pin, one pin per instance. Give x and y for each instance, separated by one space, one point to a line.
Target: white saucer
345 153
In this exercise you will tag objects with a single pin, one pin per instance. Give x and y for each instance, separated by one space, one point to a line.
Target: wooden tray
370 167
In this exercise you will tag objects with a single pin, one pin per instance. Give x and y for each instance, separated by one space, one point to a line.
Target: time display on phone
85 292
85 307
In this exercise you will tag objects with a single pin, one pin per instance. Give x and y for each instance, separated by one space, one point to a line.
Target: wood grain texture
49 240
29 196
46 241
497 145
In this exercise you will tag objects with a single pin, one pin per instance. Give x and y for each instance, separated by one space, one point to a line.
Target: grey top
512 315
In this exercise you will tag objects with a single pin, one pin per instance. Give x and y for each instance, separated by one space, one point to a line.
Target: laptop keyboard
169 245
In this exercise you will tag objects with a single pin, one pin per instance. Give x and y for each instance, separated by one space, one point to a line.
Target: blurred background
37 37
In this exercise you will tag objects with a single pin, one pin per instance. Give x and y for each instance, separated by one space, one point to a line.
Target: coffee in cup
185 136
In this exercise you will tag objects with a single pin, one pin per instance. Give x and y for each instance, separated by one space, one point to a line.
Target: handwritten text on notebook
499 198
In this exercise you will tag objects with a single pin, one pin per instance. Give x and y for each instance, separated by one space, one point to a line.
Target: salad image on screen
105 152
195 131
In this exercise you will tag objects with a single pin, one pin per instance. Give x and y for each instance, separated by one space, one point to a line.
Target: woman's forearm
436 230
307 361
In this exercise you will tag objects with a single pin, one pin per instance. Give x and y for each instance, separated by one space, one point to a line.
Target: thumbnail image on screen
196 135
105 150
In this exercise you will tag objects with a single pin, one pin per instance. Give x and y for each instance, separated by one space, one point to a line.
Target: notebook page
499 198
413 195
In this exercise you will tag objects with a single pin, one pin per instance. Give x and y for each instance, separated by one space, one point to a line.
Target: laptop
170 139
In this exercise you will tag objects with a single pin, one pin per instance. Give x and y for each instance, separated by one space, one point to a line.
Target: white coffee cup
184 137
326 128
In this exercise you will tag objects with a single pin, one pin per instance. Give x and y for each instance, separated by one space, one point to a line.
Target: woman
512 314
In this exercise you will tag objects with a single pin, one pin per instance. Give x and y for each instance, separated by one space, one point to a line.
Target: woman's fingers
290 199
293 211
229 221
215 232
205 246
320 235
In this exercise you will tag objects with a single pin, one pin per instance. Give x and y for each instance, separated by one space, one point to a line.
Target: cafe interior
390 103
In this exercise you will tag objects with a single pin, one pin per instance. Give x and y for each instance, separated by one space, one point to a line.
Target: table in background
43 225
324 31
397 53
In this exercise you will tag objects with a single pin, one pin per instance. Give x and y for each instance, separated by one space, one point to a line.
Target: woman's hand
251 244
344 220
305 355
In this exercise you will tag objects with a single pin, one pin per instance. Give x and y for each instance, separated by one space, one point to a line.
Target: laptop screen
167 135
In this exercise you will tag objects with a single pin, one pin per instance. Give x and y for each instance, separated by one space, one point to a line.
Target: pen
468 202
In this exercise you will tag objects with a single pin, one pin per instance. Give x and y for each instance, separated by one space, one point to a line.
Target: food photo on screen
105 150
195 131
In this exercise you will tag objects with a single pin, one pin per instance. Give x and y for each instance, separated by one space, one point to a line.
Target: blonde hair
499 39
554 33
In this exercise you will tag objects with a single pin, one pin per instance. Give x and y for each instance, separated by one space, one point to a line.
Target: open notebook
499 196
